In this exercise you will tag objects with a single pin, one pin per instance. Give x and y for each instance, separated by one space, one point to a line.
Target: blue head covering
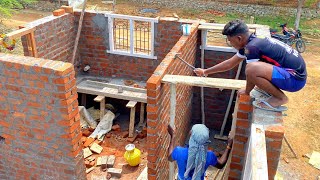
197 152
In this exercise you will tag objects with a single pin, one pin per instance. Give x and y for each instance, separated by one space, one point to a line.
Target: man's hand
242 91
200 72
170 130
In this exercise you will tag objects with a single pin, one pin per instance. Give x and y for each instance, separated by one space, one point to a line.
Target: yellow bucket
132 155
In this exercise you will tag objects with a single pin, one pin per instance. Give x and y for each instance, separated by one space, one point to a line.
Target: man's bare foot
275 102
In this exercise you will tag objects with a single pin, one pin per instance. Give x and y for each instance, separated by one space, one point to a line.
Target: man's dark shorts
282 79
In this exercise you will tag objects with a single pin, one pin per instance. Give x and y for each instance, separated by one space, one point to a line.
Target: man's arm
221 67
223 159
172 142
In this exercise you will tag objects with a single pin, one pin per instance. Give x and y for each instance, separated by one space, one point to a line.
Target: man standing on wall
194 159
272 66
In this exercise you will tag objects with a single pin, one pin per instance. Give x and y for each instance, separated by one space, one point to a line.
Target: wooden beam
21 32
205 82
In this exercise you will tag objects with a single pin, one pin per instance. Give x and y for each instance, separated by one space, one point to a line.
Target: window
131 35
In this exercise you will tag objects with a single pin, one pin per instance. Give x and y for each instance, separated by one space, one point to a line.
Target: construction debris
96 148
308 155
104 126
115 172
89 164
132 139
88 142
86 152
95 113
104 162
315 159
89 170
87 117
111 160
116 127
68 9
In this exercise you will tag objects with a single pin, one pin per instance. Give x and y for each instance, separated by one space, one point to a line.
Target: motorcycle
290 37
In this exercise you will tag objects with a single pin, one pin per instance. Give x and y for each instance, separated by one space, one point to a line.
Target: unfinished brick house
40 134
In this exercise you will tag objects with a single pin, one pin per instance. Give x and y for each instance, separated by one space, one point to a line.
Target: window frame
131 19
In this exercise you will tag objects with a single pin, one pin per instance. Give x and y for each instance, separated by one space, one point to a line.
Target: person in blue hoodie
194 159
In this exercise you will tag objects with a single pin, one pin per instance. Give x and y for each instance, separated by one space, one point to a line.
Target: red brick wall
158 108
54 36
274 132
39 120
242 132
94 44
215 101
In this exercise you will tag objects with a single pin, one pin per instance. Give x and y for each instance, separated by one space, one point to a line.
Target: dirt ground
302 120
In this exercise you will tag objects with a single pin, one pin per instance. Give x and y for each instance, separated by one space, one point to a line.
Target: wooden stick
173 102
230 101
33 45
289 145
78 33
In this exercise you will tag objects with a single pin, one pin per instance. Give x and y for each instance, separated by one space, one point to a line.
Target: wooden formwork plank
205 82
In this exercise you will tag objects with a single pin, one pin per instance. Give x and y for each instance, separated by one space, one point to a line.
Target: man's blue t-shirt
180 154
274 52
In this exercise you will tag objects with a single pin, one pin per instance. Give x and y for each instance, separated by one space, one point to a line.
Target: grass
272 21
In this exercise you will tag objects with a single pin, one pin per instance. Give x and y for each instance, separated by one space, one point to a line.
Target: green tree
7 7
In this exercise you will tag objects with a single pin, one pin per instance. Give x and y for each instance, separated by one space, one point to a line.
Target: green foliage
7 7
310 3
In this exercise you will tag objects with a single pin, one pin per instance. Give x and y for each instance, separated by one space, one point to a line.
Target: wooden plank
21 32
99 98
116 86
29 45
86 88
131 104
173 101
256 166
205 82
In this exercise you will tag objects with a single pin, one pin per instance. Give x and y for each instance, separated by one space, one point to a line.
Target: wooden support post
102 101
83 99
33 45
132 106
173 94
29 45
141 114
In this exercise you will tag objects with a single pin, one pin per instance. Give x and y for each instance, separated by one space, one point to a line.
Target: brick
68 9
88 142
116 127
96 148
242 123
111 160
276 132
125 134
245 107
86 152
244 98
86 132
132 139
115 172
58 12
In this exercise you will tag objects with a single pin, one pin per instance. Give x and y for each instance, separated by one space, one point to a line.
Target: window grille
131 35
